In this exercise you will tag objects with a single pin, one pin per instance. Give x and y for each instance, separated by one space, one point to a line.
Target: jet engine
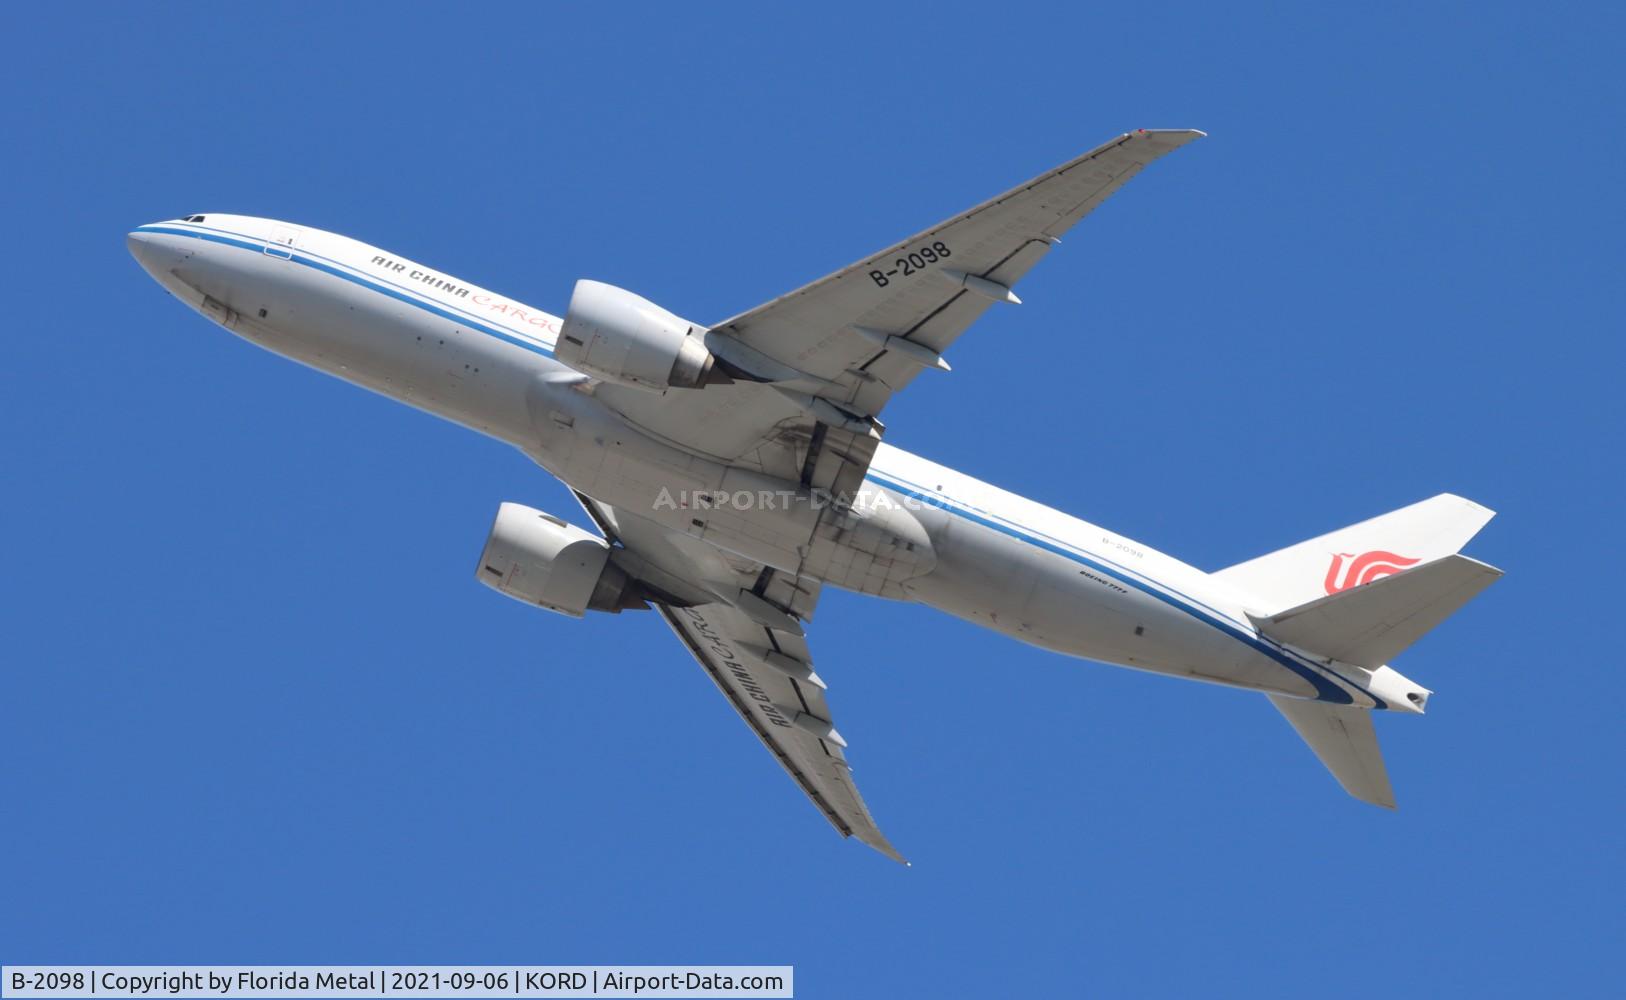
624 338
537 558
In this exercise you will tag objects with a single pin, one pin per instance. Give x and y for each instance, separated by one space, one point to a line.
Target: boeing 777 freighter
732 470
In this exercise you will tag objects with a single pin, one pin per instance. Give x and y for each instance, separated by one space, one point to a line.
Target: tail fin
1360 553
1345 741
1361 596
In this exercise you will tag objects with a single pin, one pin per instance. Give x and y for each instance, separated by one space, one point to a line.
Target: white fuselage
486 361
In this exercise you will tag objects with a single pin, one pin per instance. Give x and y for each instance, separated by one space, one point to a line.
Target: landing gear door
283 240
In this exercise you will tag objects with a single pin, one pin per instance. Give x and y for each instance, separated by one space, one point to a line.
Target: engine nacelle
627 339
539 559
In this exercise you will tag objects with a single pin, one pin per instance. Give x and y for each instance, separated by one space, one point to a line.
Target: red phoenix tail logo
1363 568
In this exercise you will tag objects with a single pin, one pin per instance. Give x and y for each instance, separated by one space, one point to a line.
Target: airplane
731 471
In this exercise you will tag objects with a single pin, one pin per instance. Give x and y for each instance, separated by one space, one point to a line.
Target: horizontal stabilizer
1343 738
1370 624
1360 553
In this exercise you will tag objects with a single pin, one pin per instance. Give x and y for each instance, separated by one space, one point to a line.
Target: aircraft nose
156 253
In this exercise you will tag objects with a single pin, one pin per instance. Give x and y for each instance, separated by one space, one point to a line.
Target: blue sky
256 709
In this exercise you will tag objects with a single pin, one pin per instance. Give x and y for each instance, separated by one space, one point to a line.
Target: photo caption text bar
363 981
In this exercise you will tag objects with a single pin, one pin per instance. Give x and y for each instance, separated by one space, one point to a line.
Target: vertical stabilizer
1360 553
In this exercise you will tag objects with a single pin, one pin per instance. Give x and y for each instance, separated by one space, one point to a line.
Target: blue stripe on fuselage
1325 689
329 266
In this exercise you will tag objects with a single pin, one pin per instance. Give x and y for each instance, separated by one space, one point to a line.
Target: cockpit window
195 218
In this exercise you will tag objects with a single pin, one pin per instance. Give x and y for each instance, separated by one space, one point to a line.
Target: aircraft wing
765 672
925 291
783 704
831 354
